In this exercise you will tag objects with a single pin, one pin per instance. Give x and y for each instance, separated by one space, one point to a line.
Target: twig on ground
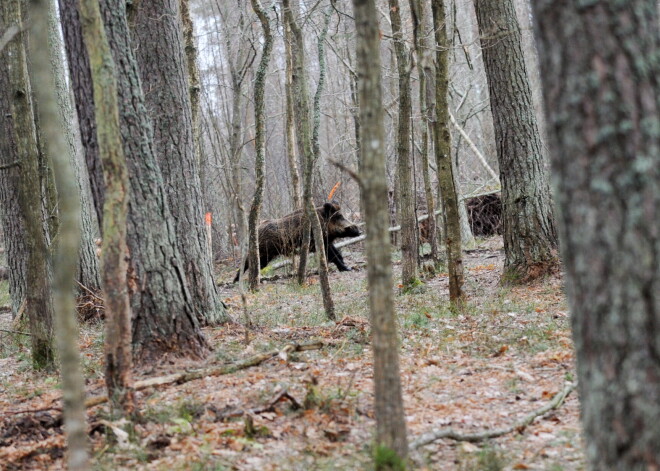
15 332
451 434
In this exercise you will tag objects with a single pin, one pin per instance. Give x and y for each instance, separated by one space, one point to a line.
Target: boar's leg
334 256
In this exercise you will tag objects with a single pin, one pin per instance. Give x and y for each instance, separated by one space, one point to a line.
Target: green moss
386 459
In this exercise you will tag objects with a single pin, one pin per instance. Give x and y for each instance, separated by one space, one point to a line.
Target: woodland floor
508 354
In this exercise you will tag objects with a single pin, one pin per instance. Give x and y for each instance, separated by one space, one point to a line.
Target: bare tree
406 200
38 295
304 133
390 422
421 32
442 145
530 237
44 47
260 145
600 72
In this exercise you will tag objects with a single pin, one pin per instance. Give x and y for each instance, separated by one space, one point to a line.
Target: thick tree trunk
158 45
406 200
443 159
118 355
13 224
260 146
164 319
601 73
530 238
38 303
390 421
45 53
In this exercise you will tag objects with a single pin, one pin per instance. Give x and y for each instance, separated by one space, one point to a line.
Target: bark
118 357
38 301
164 319
406 200
291 154
442 139
193 75
260 145
303 133
81 83
390 421
601 72
45 53
530 237
13 224
158 45
312 214
88 273
426 106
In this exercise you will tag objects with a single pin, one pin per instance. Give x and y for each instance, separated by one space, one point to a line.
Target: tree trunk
13 224
406 201
530 238
158 45
390 421
442 140
260 145
118 355
426 107
88 273
45 45
164 319
193 75
81 83
290 127
38 303
601 69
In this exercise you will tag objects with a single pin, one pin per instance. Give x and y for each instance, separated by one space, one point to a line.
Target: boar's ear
328 209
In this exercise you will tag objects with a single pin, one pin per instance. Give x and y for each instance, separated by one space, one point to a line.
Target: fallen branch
15 332
270 406
186 376
430 437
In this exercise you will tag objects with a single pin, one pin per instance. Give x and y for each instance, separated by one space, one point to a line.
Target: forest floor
505 356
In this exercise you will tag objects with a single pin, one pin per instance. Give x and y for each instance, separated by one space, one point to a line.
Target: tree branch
430 437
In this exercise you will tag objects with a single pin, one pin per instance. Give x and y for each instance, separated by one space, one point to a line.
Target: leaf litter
506 355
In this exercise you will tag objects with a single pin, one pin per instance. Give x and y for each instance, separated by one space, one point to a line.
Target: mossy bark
601 80
260 145
117 352
390 420
307 136
38 295
46 54
442 141
406 200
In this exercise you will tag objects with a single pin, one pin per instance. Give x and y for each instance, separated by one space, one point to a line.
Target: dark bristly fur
284 236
